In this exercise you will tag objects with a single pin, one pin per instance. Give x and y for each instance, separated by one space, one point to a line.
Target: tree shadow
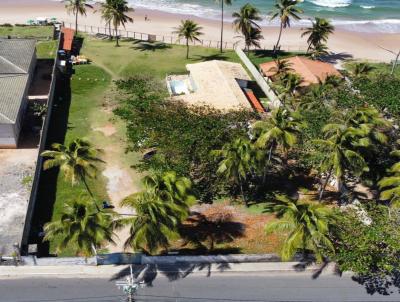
150 46
268 53
205 58
334 58
204 233
380 284
147 273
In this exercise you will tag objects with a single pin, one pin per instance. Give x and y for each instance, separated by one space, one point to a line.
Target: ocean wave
331 3
367 6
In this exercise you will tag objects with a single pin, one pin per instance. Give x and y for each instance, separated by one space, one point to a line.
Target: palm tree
391 184
236 161
155 221
362 69
77 7
306 226
279 130
318 33
80 226
340 155
285 10
171 187
105 11
281 67
245 23
190 31
318 51
114 11
253 38
227 2
77 161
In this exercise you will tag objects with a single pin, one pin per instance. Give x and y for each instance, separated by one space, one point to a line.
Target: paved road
197 287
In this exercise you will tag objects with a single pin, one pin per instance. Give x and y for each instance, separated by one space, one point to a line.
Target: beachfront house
220 84
17 65
310 71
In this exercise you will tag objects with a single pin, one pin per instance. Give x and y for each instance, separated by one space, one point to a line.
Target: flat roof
217 85
311 71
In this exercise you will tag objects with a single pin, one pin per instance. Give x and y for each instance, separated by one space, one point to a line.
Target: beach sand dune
359 45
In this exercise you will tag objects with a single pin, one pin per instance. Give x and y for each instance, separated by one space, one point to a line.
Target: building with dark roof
17 65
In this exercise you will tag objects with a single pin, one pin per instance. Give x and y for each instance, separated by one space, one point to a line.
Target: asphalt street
219 287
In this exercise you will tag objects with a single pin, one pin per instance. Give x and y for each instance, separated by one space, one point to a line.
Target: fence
168 39
39 162
171 39
261 81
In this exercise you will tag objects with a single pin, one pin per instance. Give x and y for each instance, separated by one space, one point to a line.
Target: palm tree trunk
241 192
116 36
321 193
187 48
109 28
222 22
76 22
90 192
279 38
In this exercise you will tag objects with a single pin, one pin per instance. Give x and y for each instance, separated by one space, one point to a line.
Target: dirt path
122 180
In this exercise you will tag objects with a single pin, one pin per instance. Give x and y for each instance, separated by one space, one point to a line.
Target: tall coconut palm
80 226
306 226
190 31
223 2
77 161
115 14
235 162
77 7
285 10
105 10
318 33
340 152
171 187
245 23
155 222
253 38
279 130
390 185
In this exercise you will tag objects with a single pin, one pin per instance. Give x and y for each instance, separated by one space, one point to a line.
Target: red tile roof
68 38
255 103
311 71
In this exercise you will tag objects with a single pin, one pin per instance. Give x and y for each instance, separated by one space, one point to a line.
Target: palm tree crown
190 31
80 226
307 226
77 7
245 23
318 33
285 10
114 12
155 222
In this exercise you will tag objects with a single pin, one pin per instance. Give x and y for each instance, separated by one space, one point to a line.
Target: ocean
358 15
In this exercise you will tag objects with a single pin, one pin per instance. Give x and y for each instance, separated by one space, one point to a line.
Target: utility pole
129 286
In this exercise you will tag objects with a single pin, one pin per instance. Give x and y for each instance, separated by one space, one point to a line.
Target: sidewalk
86 271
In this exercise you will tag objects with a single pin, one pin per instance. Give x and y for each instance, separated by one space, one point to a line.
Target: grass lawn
133 58
46 49
39 32
378 67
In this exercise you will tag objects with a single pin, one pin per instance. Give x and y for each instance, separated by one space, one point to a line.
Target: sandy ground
17 167
351 44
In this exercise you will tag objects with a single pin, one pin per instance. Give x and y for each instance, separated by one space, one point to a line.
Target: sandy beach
358 45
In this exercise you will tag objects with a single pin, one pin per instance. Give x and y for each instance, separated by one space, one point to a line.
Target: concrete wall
7 136
274 101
